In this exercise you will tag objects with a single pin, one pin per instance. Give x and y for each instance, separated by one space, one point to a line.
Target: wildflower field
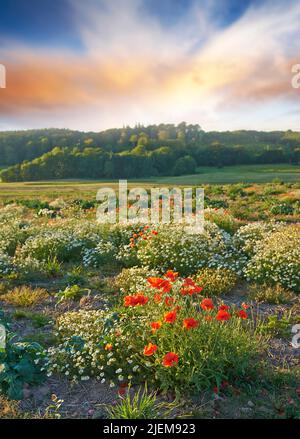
107 321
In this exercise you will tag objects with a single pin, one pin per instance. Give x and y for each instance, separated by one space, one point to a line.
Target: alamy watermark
296 77
2 338
296 337
2 76
155 206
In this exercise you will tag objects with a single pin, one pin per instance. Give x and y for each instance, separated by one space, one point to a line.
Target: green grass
205 175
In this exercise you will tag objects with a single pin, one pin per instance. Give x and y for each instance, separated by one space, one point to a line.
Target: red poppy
172 275
169 301
154 232
122 389
166 286
223 307
207 304
222 315
155 282
190 290
245 306
190 323
188 282
155 326
160 284
157 298
242 314
170 359
135 300
150 349
170 317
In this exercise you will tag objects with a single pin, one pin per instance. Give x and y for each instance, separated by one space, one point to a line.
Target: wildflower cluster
167 334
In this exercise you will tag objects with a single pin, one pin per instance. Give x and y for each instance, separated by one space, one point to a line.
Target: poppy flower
170 359
155 326
224 384
208 318
150 349
154 232
135 300
245 306
155 282
159 283
190 290
157 298
108 347
166 286
223 307
188 282
169 301
122 389
207 304
242 314
190 323
170 317
222 315
172 275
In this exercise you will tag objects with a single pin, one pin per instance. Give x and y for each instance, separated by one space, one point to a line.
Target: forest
141 151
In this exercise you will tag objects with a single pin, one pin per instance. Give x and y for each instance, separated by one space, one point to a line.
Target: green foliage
277 326
141 406
136 152
74 292
17 367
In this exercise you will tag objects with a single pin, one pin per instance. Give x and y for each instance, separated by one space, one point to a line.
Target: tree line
142 151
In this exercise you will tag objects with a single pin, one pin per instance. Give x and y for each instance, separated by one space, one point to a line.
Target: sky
97 64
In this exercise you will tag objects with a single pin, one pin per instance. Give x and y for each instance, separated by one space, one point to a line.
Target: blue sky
94 64
50 22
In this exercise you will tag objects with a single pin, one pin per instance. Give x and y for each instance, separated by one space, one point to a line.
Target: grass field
206 175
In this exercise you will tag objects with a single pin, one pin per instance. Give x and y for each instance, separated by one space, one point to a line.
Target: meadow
137 321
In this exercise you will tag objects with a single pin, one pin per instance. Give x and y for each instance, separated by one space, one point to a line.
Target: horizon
97 65
132 127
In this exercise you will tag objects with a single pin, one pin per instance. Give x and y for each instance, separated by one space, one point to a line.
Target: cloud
136 69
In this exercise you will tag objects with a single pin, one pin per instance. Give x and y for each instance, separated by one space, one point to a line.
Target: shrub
282 209
6 264
274 294
25 296
133 279
249 236
216 281
277 259
222 219
105 252
172 247
62 245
